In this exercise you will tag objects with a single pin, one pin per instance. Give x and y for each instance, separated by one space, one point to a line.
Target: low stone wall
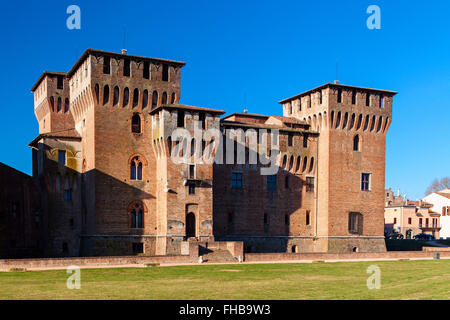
436 249
258 257
90 261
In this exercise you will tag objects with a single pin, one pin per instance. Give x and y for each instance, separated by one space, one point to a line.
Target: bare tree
438 185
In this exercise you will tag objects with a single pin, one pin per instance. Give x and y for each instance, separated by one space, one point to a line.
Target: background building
441 203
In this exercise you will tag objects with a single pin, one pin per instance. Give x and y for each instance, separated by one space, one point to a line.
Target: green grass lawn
343 280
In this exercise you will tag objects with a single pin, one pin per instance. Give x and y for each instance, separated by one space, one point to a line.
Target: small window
367 99
192 170
320 97
58 108
305 141
137 216
105 95
172 100
381 101
146 71
154 99
66 105
308 218
126 97
339 96
116 96
136 169
138 248
236 180
272 182
191 188
409 220
126 67
356 143
354 97
365 181
68 195
135 98
106 65
180 119
290 139
395 220
309 184
164 98
60 82
165 72
355 223
202 120
136 124
62 157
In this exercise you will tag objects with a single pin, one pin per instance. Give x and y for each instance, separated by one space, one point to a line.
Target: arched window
297 166
66 105
284 162
311 165
59 105
126 97
145 99
154 99
136 123
136 168
164 98
137 216
105 94
135 97
305 162
97 93
52 103
116 96
356 143
172 101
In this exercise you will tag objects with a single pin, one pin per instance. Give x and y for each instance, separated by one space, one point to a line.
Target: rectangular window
138 248
165 72
202 120
290 139
339 96
309 184
68 195
381 101
236 180
365 181
355 223
367 99
272 182
62 157
146 71
191 188
305 141
126 67
180 119
60 82
191 171
395 220
354 97
409 220
308 218
420 222
106 65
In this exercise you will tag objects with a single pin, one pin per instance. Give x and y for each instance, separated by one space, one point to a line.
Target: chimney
245 111
336 81
124 51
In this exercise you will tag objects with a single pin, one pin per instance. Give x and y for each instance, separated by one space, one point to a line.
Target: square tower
352 122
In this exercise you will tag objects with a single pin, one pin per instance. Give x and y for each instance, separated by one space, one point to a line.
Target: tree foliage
438 185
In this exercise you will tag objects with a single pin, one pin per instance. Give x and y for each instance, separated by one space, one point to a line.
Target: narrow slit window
126 67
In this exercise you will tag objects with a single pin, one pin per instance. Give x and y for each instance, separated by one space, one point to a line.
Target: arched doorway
190 225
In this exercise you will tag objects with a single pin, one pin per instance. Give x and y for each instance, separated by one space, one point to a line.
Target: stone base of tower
356 244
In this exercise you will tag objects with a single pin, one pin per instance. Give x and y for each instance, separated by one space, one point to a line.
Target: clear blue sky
256 52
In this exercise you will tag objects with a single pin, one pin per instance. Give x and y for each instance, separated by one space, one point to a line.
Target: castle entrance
190 225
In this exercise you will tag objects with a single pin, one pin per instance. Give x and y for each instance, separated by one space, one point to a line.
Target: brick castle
108 185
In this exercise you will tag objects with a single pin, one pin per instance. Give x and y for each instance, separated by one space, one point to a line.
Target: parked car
423 236
396 236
